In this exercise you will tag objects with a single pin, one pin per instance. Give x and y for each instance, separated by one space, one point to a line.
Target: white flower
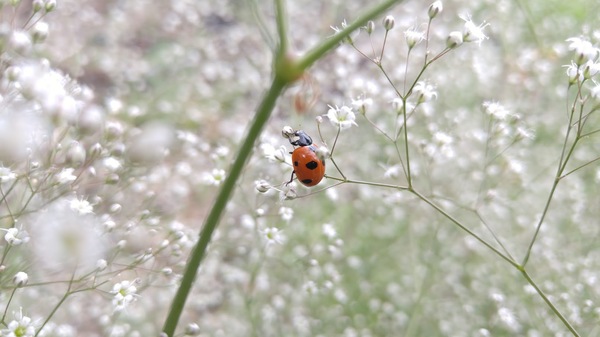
66 176
81 206
425 92
215 177
496 110
125 293
595 92
329 231
273 235
434 9
341 117
21 326
413 37
272 153
361 104
573 73
286 213
15 237
6 175
472 32
20 279
63 238
584 50
454 39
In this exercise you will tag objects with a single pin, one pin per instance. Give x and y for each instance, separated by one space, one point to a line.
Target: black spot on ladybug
296 163
307 181
311 165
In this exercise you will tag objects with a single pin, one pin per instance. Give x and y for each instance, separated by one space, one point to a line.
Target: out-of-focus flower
21 326
273 235
215 177
20 279
125 292
341 117
15 236
425 92
583 49
81 206
454 39
7 175
413 37
473 32
435 9
389 22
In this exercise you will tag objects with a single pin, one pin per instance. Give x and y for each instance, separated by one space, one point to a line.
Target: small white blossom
15 237
262 186
6 175
81 206
595 92
413 37
584 50
125 292
497 110
215 177
286 213
573 73
434 9
389 22
425 92
273 235
454 39
362 104
66 176
329 231
472 32
21 326
341 117
20 279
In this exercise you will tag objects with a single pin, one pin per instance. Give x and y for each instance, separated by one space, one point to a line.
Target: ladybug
308 167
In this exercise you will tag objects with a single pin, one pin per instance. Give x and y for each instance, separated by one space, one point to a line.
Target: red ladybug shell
308 167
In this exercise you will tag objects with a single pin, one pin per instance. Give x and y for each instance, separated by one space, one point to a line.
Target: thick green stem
260 119
286 71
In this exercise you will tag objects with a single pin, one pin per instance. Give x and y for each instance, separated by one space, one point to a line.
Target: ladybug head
300 138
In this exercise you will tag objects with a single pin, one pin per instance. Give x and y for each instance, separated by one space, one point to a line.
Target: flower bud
454 39
370 27
20 279
262 186
39 32
287 131
389 22
435 9
50 5
76 154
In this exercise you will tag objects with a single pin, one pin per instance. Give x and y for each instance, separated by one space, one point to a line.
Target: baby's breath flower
425 92
50 5
272 153
573 73
435 9
590 69
192 329
347 39
215 177
21 326
287 132
496 110
289 193
286 213
361 104
370 27
6 174
101 264
389 22
595 92
472 32
584 50
66 176
20 279
273 235
15 236
125 292
454 39
329 231
262 186
413 37
341 117
76 154
39 32
81 206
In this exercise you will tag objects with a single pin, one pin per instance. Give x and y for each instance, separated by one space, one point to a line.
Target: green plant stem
286 71
548 302
199 251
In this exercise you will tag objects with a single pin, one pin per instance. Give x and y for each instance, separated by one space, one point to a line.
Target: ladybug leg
291 178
